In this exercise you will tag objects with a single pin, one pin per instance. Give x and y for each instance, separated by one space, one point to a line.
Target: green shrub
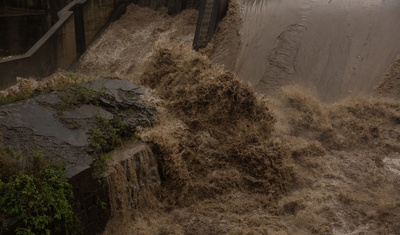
108 134
40 201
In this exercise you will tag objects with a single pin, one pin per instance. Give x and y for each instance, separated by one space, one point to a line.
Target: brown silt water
287 123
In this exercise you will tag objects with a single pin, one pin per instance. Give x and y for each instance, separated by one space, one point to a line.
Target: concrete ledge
79 23
210 13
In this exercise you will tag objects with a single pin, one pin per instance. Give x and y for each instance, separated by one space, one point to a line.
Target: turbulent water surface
234 162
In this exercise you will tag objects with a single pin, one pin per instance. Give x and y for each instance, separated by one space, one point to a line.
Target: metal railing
79 23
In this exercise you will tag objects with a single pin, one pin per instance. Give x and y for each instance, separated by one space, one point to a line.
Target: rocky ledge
77 127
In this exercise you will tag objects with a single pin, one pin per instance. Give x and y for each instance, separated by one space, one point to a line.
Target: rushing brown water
234 162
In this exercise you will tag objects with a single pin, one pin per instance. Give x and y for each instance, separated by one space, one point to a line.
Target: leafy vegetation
40 201
100 162
34 191
79 95
106 135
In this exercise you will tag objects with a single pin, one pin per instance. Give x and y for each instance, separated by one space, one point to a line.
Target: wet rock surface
77 127
60 124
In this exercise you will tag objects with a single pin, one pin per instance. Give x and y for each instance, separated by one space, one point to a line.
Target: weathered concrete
78 25
59 127
20 31
24 22
210 13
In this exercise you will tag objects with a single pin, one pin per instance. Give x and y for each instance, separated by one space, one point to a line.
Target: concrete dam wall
78 24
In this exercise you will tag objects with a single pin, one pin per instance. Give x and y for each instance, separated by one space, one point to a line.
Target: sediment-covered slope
336 47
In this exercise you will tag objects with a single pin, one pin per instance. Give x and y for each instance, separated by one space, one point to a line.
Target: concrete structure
210 13
78 24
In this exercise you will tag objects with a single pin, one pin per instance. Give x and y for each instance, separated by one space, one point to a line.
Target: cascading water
282 164
134 183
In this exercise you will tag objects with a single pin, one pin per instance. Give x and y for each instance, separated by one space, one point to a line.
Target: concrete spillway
334 46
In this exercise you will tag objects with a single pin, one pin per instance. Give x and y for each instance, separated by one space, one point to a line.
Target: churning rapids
287 123
236 162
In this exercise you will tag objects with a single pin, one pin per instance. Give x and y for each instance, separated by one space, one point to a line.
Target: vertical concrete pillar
176 6
79 29
206 23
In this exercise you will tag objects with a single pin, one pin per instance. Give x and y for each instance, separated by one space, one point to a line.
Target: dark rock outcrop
64 127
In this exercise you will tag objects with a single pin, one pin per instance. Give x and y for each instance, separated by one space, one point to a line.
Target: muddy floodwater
275 128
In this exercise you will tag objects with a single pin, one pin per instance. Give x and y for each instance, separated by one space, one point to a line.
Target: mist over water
232 161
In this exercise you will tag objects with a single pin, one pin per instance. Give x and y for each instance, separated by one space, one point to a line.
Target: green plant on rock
100 163
78 95
40 201
107 134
